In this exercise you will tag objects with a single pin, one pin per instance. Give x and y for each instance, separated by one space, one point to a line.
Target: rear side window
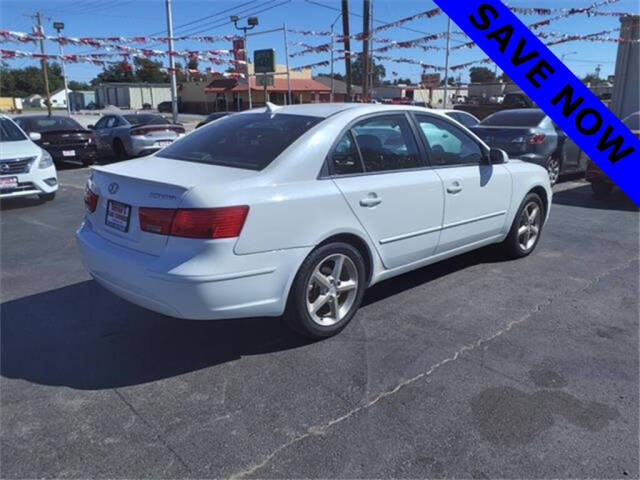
345 158
387 143
448 145
248 140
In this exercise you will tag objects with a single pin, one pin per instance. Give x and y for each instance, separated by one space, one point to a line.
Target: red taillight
156 220
536 139
225 222
90 200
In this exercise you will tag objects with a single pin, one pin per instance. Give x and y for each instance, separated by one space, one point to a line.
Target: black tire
601 189
47 197
512 244
554 169
119 150
297 315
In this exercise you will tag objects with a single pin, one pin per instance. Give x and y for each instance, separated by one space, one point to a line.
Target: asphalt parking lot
472 368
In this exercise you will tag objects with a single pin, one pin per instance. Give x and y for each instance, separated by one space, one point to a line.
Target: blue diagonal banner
556 90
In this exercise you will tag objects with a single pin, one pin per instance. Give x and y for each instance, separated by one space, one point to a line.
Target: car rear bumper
81 153
36 182
141 145
212 283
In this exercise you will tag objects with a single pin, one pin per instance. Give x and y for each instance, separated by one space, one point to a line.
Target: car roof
325 110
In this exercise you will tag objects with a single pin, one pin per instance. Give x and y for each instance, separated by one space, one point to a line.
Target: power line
216 24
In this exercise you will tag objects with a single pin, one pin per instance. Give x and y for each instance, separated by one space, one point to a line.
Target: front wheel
327 291
526 228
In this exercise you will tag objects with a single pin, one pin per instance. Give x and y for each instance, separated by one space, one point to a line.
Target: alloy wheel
332 289
529 226
553 168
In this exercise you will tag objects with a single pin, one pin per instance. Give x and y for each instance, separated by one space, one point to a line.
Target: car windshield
515 119
43 124
145 119
9 132
248 140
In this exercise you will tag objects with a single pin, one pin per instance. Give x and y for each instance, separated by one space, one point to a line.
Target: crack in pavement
153 429
321 429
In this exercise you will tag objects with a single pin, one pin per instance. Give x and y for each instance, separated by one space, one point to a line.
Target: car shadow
20 202
84 337
583 197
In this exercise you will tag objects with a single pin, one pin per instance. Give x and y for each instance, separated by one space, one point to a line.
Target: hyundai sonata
296 210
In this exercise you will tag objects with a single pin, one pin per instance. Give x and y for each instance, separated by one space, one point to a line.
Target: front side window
448 145
247 140
387 143
9 132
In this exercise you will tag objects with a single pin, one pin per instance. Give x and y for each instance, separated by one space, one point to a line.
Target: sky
99 18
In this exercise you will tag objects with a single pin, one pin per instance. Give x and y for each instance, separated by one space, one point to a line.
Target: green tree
119 72
75 85
149 71
482 75
22 82
379 72
593 79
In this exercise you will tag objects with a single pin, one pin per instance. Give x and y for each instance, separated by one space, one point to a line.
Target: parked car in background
464 118
299 209
131 135
211 117
25 168
530 135
165 107
601 184
63 137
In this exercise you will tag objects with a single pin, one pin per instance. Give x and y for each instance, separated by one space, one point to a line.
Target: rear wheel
327 291
601 189
553 169
119 150
526 228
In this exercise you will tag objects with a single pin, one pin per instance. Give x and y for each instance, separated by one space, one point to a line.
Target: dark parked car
63 137
530 135
601 184
135 134
211 117
165 107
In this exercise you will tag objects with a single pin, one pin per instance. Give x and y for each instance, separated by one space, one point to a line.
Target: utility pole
59 26
366 9
347 46
446 66
286 56
252 22
45 71
172 64
331 95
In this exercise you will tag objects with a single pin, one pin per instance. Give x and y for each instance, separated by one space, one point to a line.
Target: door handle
370 200
454 188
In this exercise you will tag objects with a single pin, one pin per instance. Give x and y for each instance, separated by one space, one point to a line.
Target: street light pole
59 26
251 24
172 64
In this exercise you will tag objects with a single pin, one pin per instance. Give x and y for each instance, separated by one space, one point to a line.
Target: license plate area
163 143
118 215
7 183
68 153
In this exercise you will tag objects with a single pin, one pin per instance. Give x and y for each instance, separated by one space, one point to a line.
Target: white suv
25 168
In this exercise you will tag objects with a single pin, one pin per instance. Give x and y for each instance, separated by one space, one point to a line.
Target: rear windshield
43 124
145 119
515 119
9 132
248 140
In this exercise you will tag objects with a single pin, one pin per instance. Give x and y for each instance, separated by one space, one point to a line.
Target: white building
34 100
59 99
133 95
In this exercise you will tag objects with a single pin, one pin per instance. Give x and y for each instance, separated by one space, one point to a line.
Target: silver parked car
132 135
529 134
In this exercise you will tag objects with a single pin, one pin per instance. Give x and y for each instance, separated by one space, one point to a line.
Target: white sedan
25 168
296 210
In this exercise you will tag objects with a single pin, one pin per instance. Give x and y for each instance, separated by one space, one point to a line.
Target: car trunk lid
151 182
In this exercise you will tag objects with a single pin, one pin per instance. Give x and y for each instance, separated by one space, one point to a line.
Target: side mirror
498 156
35 136
91 127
